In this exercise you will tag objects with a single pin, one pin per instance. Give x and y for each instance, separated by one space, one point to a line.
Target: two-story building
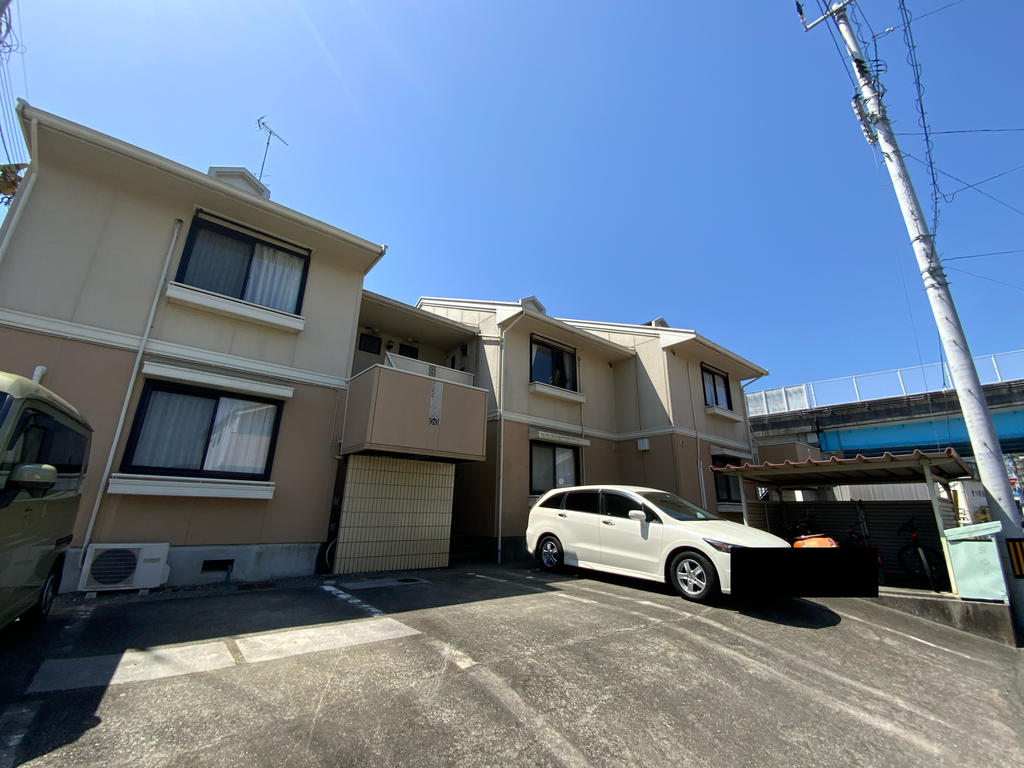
575 402
259 415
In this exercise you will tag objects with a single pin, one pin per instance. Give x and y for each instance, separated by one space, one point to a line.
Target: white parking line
293 642
354 601
129 667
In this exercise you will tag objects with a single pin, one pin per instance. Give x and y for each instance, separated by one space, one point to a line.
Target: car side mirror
37 479
637 514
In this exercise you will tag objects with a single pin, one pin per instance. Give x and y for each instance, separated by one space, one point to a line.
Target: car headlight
723 546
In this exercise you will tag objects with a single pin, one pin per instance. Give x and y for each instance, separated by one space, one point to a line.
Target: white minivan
641 532
44 447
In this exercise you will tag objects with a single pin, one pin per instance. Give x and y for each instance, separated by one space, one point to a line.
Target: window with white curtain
551 466
230 262
197 432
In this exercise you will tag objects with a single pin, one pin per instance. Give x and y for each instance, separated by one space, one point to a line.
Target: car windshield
676 508
5 401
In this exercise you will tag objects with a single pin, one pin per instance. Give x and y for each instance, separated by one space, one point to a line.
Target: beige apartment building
258 414
573 402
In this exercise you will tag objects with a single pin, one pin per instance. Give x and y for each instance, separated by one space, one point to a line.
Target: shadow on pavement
37 723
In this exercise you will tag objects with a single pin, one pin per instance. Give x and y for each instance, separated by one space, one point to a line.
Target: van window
584 501
41 439
555 501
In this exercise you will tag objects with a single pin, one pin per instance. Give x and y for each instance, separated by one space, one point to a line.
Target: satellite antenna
271 134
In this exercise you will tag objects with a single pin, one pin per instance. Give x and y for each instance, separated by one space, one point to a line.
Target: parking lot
498 666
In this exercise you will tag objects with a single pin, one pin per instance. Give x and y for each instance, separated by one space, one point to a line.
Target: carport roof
861 470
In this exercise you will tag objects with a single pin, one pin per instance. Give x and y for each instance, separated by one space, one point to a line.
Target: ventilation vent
124 566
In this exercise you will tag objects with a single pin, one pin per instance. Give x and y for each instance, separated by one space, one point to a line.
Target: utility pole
983 437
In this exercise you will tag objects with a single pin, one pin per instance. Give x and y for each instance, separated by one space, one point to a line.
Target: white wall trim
722 413
557 392
91 334
188 296
167 372
733 446
556 437
156 485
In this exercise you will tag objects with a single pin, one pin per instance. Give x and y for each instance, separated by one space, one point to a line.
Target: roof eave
27 113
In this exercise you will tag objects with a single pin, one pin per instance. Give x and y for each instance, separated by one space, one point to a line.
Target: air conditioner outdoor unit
124 566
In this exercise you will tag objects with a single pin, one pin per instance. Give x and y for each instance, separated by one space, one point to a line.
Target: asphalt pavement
482 666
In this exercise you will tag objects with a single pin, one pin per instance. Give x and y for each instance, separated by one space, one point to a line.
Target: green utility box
975 558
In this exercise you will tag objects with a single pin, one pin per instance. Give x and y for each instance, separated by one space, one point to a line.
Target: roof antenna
271 134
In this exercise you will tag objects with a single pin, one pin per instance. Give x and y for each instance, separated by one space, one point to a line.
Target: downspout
501 430
131 387
21 198
696 432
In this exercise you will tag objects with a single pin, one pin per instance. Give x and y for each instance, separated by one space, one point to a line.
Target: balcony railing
1004 366
393 410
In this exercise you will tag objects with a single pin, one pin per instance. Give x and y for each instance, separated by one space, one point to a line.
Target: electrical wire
990 279
24 69
949 198
979 255
915 68
887 30
966 130
831 33
968 185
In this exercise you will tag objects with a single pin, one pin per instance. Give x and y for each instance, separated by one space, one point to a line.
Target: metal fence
1004 366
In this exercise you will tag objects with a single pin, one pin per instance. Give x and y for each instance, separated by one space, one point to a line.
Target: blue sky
619 160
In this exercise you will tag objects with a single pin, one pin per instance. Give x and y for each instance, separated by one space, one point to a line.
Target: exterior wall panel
396 515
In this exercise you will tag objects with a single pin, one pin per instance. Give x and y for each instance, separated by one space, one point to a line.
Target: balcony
423 414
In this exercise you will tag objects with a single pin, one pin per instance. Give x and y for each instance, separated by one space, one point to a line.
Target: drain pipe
501 429
128 392
21 198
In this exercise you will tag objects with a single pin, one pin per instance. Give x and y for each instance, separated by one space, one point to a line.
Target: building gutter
131 387
501 429
21 198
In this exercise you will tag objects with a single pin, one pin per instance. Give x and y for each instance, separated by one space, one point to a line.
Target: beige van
44 447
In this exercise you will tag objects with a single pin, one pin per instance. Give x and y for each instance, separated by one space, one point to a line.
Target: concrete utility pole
982 434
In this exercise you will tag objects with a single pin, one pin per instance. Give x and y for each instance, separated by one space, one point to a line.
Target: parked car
641 532
44 447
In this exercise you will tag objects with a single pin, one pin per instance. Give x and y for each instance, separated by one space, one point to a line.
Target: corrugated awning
860 470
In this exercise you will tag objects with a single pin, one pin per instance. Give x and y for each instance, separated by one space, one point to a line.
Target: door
581 521
627 544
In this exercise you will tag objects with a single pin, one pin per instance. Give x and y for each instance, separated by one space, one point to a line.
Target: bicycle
857 536
917 558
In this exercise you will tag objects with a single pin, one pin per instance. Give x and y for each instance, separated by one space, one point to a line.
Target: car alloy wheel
694 576
550 553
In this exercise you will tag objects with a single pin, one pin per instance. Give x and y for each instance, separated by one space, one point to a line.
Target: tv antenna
271 134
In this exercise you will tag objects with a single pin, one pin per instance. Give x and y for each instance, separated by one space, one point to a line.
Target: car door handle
562 514
608 522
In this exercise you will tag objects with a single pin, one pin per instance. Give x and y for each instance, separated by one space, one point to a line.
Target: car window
583 501
617 505
554 501
677 508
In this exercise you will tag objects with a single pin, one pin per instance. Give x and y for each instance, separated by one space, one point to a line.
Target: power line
842 56
887 30
915 68
990 279
966 130
953 194
969 186
979 255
